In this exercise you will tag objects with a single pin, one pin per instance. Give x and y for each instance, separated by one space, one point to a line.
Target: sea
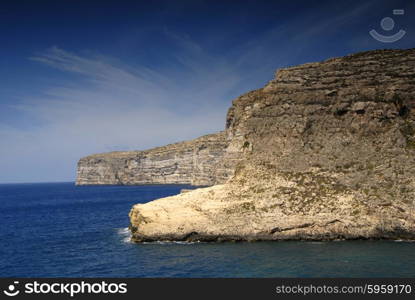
63 230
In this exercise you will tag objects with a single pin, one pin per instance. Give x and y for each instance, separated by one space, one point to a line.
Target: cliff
325 151
196 162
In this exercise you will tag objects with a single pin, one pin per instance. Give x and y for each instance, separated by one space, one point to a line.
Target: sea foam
125 233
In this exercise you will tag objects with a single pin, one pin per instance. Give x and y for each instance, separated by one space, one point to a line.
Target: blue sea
61 230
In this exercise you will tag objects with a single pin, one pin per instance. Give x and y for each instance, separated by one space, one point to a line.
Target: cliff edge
326 151
196 162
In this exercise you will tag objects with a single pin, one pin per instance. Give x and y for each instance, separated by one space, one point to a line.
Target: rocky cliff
196 162
327 151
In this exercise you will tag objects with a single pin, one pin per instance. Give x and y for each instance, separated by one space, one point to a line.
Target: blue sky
81 77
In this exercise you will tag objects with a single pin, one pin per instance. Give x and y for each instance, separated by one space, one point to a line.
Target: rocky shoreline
325 152
210 215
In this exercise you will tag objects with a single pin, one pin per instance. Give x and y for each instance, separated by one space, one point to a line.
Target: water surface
60 230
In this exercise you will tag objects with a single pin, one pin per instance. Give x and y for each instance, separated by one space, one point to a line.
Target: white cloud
113 107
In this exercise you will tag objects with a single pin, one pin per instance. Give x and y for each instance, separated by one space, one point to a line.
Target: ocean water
60 230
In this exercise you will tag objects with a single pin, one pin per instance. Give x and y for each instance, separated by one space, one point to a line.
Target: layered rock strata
196 162
327 151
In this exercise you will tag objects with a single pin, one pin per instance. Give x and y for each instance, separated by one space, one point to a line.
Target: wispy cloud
116 107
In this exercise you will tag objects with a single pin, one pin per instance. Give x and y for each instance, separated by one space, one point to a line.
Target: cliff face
196 162
327 151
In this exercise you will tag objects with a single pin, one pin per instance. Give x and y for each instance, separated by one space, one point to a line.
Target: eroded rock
196 162
325 151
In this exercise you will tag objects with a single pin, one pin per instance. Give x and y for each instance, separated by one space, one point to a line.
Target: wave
125 233
404 241
172 243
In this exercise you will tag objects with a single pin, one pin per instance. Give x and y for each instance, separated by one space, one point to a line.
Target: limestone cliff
327 151
196 162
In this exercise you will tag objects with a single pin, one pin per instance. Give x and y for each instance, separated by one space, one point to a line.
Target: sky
84 77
